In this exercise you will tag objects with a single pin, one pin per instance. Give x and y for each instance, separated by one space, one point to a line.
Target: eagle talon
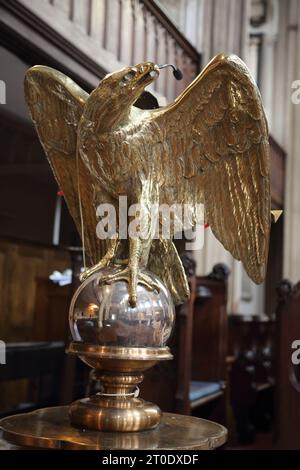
88 272
84 275
128 275
148 282
103 263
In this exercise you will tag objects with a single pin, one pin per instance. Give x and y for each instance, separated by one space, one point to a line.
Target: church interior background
234 340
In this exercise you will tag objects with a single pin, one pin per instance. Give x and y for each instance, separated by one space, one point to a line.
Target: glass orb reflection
100 314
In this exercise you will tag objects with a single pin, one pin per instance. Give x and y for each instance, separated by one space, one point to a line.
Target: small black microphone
176 72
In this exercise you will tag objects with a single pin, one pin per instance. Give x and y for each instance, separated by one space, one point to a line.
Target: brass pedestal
120 371
50 428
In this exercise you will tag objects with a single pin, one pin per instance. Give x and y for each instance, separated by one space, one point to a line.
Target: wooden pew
209 337
251 342
42 365
287 396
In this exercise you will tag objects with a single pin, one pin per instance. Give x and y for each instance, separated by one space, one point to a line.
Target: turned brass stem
120 371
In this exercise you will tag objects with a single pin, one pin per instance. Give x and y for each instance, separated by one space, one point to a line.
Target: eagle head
110 103
131 81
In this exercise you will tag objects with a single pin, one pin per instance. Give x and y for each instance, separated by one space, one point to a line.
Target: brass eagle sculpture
209 146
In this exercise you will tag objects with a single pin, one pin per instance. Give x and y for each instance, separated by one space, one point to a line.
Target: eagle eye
129 76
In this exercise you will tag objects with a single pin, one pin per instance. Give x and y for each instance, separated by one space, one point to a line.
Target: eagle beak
154 73
147 72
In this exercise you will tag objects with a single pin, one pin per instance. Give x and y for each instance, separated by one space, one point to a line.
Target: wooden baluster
139 35
161 58
151 38
171 87
133 43
63 6
71 10
168 75
132 31
98 21
145 23
89 17
150 46
105 30
156 46
112 26
80 16
120 16
126 28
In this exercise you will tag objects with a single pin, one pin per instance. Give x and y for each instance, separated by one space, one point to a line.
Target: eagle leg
132 273
104 262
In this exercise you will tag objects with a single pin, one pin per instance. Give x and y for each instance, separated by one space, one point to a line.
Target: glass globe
100 313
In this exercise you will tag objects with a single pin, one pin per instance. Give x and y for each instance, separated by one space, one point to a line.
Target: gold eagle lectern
209 147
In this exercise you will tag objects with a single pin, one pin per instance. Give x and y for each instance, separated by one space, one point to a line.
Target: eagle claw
132 278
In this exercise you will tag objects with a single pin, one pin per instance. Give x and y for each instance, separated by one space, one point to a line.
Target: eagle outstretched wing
216 145
56 104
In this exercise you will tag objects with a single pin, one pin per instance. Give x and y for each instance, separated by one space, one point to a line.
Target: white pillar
292 127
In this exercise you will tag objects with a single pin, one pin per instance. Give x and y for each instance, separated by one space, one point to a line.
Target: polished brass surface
119 342
276 214
209 146
114 414
119 371
101 314
50 428
133 359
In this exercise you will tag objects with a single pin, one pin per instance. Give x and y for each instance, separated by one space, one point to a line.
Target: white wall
12 71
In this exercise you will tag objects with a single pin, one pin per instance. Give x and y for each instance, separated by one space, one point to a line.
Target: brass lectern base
120 371
50 428
114 415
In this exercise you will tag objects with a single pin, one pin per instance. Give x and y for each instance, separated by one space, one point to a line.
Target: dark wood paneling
275 265
50 319
278 157
21 264
210 327
288 375
275 261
